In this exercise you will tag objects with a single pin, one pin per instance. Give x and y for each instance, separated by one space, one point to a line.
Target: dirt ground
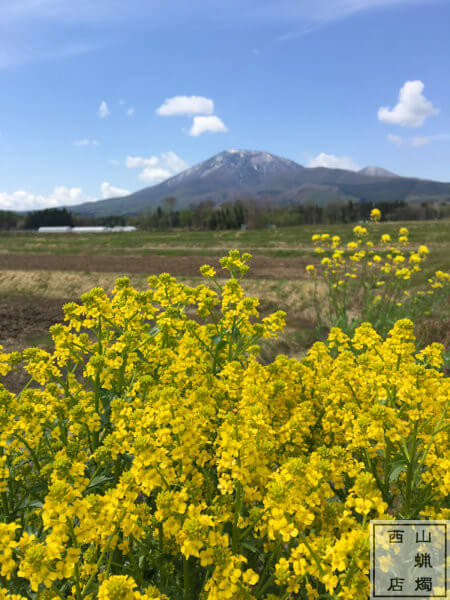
24 321
24 317
262 267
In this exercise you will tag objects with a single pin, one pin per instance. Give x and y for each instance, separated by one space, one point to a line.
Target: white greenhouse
54 229
86 229
90 229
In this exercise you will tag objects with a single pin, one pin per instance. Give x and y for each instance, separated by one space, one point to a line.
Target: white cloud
156 168
103 110
199 106
290 35
204 124
137 162
86 142
109 191
395 139
154 175
186 105
174 163
418 141
131 111
61 196
333 162
314 13
412 108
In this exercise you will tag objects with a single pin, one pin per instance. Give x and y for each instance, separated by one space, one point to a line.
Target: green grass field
283 241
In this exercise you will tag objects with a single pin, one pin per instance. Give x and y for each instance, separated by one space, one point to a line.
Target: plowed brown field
27 315
262 267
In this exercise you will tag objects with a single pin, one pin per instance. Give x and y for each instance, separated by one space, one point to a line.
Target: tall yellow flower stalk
372 278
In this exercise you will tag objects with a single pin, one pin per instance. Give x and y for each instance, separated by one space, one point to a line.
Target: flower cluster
153 457
372 278
375 215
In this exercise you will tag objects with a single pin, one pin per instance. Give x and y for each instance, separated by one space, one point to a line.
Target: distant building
90 229
123 228
64 229
86 229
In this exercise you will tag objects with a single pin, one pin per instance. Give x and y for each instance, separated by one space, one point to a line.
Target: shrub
152 456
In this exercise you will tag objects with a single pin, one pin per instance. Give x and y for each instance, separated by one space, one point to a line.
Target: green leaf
220 346
249 545
31 504
98 481
216 339
396 469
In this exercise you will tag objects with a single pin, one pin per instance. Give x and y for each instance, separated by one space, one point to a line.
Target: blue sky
99 97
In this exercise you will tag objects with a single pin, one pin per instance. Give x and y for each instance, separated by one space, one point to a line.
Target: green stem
268 581
160 537
265 572
237 512
188 579
77 582
435 432
311 551
5 505
373 470
410 471
25 387
31 451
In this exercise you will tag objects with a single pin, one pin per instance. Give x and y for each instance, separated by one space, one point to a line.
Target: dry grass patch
60 284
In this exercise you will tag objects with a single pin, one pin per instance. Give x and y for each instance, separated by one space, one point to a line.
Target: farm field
283 241
39 273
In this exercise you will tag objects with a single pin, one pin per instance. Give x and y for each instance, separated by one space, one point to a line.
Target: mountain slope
245 174
376 172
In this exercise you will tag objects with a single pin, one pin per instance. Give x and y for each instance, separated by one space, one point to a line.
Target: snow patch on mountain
373 171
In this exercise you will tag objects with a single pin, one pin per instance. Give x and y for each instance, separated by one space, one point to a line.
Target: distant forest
231 215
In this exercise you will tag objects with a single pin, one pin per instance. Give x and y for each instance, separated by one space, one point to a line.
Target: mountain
226 176
264 177
244 168
377 172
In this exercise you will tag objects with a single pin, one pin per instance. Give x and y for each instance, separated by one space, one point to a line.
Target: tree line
254 215
54 217
232 215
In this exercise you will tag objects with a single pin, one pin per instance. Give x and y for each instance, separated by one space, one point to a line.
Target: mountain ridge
374 171
264 177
